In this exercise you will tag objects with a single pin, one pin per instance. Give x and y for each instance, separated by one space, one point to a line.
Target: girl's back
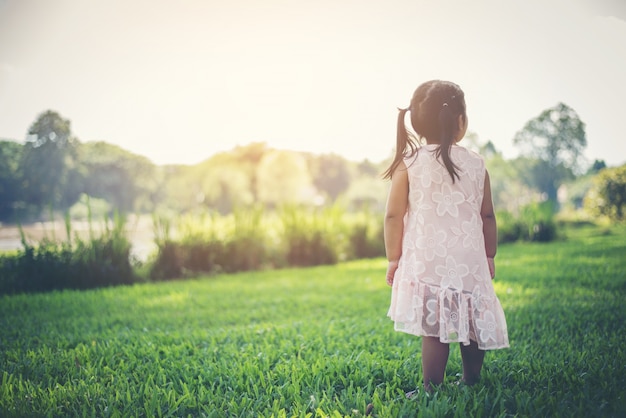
443 219
443 285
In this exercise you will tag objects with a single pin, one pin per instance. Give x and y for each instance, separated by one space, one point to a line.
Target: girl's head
438 115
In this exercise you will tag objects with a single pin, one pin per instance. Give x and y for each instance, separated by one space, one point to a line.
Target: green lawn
316 342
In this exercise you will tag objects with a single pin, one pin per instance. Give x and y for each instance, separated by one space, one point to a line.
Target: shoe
412 393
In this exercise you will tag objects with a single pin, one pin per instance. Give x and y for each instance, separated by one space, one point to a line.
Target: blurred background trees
607 196
551 147
10 177
48 162
52 168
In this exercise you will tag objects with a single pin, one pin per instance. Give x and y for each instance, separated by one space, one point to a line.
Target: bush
510 229
211 244
366 237
535 223
538 219
82 264
208 243
313 237
608 194
249 246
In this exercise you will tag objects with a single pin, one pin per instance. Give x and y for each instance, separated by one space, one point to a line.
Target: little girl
441 237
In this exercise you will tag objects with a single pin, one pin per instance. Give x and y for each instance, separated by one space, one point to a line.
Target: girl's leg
434 360
472 362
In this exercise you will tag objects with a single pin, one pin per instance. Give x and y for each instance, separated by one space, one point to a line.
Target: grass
316 342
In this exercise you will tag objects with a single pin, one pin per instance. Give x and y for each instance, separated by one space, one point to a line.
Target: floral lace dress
442 287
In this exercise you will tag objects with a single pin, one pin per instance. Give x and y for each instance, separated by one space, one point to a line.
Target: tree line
52 168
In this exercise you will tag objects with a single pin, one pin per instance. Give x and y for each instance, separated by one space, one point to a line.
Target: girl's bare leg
434 360
472 362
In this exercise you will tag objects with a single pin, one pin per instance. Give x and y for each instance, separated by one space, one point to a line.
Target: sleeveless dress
442 287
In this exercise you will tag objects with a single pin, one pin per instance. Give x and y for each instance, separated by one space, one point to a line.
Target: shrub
209 243
608 194
79 264
538 219
313 237
510 229
249 244
534 223
194 252
366 237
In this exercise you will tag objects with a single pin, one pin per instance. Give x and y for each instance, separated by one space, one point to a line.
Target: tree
283 177
608 194
556 139
248 158
225 187
49 154
120 177
331 175
596 167
10 156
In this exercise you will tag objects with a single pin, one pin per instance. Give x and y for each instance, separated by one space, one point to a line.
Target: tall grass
315 342
73 263
209 243
253 239
315 236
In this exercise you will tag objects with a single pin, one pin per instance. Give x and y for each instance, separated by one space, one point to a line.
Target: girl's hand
492 267
391 271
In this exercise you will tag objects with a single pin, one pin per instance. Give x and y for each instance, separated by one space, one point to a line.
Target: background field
316 342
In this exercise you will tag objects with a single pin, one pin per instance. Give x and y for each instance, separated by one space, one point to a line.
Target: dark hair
435 108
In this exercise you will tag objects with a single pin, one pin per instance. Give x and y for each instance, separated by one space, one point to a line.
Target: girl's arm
397 203
490 228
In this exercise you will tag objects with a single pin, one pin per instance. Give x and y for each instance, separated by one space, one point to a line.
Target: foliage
123 179
538 219
365 236
608 194
366 193
554 141
256 174
47 161
283 177
596 167
572 195
10 178
535 222
55 168
313 237
331 175
198 249
208 243
76 263
508 189
252 239
87 207
315 342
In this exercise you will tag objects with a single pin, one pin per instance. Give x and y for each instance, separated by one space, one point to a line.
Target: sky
178 81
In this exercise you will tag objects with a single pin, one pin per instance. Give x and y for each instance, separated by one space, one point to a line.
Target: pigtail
447 125
403 140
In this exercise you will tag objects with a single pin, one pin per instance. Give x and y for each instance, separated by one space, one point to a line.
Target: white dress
442 287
